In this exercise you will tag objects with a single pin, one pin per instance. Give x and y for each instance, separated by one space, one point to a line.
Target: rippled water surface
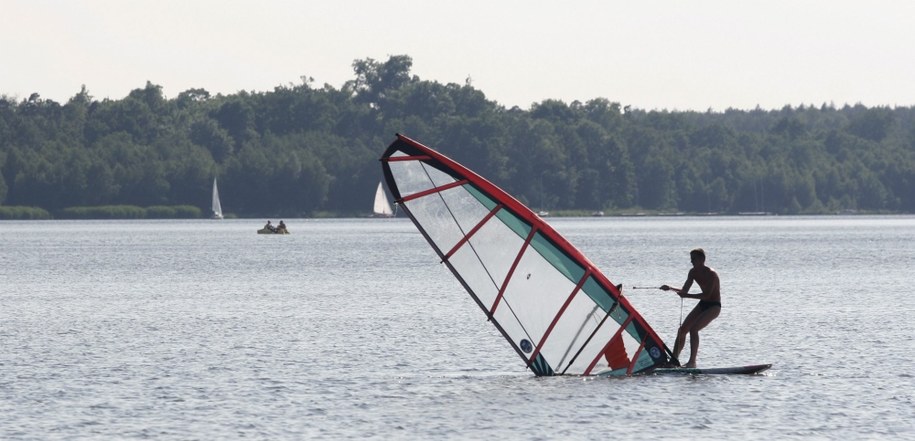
352 329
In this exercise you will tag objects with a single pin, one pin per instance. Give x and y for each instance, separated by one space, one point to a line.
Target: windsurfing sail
217 207
382 207
555 307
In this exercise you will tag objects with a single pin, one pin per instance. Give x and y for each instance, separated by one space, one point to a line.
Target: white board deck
750 369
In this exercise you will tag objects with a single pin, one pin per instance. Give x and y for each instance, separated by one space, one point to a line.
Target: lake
352 329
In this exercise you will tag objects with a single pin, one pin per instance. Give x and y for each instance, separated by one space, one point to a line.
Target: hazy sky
675 55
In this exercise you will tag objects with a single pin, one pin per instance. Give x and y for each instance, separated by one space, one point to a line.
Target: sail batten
476 228
432 191
540 292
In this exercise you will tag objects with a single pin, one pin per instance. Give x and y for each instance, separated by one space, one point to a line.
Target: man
706 310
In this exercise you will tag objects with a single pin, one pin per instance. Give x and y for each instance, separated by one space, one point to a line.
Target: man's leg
701 322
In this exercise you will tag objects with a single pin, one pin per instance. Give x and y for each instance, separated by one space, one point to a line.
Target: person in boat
270 226
704 312
281 228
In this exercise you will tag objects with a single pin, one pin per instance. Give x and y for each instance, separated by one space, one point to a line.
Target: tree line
303 150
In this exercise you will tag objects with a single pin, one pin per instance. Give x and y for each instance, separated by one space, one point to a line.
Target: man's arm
708 288
686 286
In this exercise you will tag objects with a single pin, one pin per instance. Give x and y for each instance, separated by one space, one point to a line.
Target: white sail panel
444 225
575 339
415 176
581 335
541 289
486 259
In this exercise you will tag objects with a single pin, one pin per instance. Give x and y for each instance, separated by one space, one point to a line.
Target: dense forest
303 150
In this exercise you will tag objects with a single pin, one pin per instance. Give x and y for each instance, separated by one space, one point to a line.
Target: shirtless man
706 310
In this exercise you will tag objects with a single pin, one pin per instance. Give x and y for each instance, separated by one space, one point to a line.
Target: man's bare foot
691 365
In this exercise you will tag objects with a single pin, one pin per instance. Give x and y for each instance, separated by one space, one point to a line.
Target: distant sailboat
217 207
382 206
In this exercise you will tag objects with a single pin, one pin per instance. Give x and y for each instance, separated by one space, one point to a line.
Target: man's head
697 256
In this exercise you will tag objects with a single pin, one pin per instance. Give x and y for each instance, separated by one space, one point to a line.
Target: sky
648 54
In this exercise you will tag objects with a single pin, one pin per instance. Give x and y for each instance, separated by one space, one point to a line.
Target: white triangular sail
217 207
382 207
552 304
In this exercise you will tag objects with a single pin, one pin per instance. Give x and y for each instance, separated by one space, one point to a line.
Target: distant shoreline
194 213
